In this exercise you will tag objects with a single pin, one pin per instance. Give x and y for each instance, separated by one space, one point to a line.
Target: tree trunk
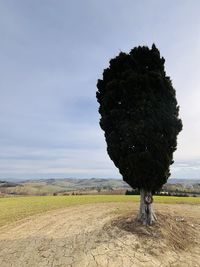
146 214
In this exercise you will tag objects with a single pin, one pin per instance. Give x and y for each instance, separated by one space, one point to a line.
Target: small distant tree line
165 193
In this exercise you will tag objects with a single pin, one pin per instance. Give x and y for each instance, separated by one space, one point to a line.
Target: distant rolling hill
59 186
51 186
183 181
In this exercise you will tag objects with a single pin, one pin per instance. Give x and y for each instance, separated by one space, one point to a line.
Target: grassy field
16 208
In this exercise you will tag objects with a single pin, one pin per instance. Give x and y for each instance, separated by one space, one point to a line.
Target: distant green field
16 208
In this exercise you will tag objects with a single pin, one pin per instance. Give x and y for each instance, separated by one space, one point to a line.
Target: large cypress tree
139 115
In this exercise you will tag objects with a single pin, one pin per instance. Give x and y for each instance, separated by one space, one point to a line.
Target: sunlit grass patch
15 208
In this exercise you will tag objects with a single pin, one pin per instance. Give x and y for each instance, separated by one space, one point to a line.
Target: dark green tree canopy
139 115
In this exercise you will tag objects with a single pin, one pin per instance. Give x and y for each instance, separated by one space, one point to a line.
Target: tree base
147 219
146 214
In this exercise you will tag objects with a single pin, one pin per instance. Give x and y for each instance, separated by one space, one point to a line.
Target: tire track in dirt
102 235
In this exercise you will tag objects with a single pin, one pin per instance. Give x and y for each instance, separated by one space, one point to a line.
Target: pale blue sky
53 52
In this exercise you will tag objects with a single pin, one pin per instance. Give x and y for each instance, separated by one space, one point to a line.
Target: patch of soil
104 235
175 231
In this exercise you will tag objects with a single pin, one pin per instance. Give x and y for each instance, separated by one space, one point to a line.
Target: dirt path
103 235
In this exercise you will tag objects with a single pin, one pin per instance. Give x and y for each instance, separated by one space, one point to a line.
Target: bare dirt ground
104 235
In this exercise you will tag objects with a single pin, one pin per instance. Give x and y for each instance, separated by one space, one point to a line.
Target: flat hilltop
91 231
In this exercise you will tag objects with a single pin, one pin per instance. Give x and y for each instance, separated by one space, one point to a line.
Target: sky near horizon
53 52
